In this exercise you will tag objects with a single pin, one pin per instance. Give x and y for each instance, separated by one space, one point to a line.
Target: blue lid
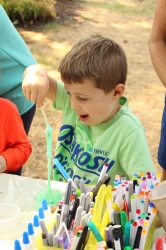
17 245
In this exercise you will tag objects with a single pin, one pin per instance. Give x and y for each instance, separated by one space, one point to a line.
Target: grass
129 8
53 25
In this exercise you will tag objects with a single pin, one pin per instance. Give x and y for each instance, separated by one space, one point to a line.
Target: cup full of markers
96 218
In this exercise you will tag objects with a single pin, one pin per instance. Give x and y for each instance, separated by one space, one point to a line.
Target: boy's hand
35 84
2 164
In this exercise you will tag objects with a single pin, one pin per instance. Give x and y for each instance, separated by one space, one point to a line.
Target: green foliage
29 10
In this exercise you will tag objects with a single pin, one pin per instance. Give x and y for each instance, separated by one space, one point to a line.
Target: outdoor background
126 21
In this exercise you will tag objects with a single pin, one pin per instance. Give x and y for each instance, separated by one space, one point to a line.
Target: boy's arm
17 146
157 41
37 85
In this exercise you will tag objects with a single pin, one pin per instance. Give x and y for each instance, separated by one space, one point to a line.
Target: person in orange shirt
15 147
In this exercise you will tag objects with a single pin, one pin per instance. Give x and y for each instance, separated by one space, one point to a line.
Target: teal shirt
15 57
82 150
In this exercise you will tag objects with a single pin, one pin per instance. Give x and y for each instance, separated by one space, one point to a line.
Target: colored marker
103 171
138 237
127 234
65 207
63 172
44 239
60 242
95 231
117 243
75 241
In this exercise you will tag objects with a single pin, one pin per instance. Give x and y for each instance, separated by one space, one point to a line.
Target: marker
82 186
55 241
127 234
97 187
133 233
117 232
143 239
76 181
108 236
75 241
133 207
116 215
82 239
77 218
117 243
82 200
62 228
138 237
83 221
60 242
44 239
65 207
73 213
87 201
63 172
44 230
159 244
123 220
138 213
51 235
102 244
57 219
103 171
78 192
95 231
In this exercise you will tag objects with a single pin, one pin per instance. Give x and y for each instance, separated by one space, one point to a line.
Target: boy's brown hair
97 58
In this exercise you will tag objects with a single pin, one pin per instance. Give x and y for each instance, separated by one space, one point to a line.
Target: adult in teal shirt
15 57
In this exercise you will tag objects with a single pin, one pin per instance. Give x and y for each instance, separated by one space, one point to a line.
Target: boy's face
91 104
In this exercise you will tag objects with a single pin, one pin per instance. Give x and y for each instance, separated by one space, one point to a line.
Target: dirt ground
129 23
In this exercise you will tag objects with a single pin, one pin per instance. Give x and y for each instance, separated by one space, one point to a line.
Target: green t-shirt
15 57
82 149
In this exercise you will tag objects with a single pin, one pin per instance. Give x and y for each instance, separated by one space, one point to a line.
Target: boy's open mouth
83 117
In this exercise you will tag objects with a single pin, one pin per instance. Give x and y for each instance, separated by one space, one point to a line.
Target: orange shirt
14 143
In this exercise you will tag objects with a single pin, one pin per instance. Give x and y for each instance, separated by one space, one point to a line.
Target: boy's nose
74 104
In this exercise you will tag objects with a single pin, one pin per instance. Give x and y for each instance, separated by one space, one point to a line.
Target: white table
22 191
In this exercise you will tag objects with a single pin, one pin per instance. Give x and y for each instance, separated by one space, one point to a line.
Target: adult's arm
157 41
37 85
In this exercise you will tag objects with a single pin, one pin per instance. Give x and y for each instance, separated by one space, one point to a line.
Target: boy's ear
119 90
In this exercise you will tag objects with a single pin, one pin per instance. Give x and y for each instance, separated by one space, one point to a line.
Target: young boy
97 126
14 145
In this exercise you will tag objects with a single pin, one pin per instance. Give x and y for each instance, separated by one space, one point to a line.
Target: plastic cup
8 216
52 200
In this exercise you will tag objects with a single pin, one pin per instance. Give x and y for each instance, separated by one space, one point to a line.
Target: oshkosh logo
71 152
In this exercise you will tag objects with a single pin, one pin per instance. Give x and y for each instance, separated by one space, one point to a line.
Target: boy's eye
82 99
